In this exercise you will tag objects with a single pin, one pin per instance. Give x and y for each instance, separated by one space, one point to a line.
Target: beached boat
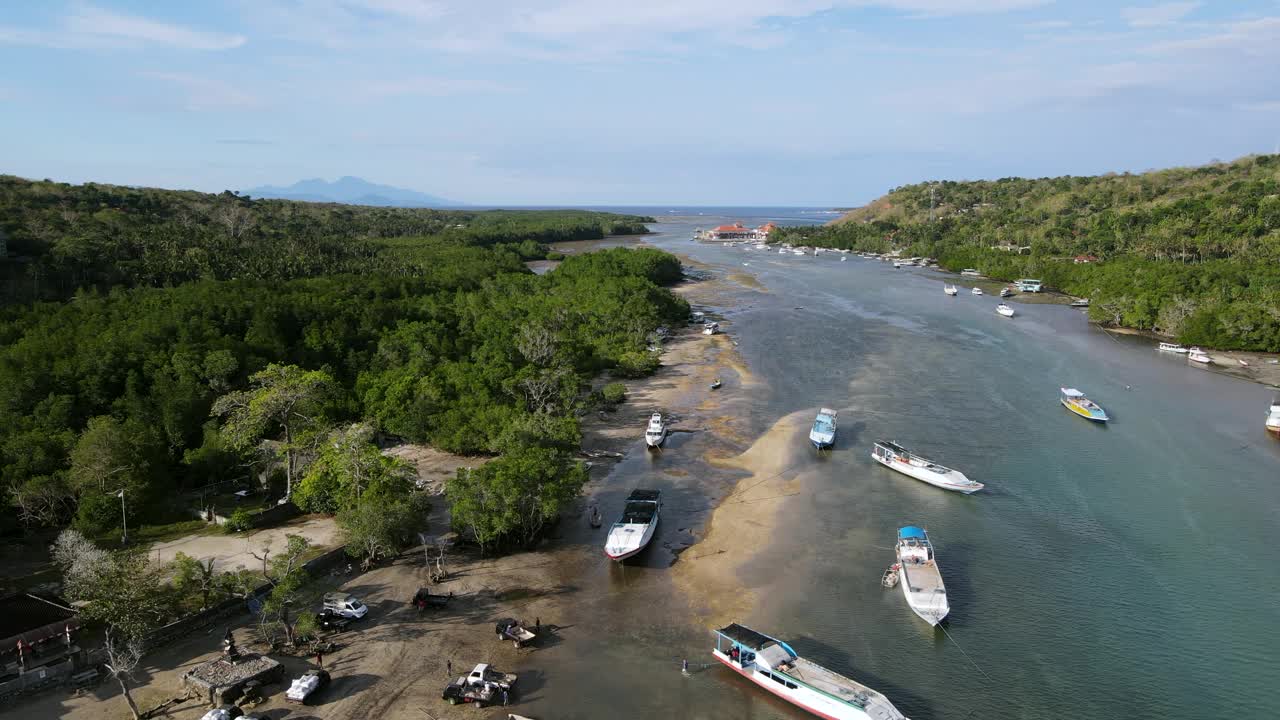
1004 310
1273 417
1195 354
1076 402
823 432
1081 303
920 577
774 666
715 384
896 457
970 272
1172 348
1005 292
976 291
635 528
950 289
711 328
656 433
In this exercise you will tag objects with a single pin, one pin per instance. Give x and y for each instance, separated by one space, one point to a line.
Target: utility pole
932 188
124 521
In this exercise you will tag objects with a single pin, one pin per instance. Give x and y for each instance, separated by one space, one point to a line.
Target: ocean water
1124 570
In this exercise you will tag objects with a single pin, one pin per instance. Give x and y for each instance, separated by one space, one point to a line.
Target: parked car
345 604
330 621
306 687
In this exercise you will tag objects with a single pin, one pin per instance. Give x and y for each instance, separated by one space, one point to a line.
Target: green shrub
637 364
614 393
239 521
555 256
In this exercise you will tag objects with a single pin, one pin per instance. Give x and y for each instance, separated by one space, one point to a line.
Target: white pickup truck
483 686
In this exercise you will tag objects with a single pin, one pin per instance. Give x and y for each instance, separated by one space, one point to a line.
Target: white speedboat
774 666
976 291
1172 348
896 457
1195 354
843 258
1004 310
950 289
919 575
711 328
1273 417
823 432
1006 292
635 528
970 272
656 433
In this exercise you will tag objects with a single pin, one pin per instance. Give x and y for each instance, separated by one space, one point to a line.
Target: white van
345 604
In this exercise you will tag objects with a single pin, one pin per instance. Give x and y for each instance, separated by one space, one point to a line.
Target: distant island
1191 253
351 190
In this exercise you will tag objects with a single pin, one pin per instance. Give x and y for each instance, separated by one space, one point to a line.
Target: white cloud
199 94
572 29
88 27
1157 15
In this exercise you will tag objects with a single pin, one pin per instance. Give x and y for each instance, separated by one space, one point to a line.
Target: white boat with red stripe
774 666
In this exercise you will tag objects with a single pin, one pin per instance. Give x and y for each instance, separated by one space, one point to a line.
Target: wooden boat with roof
776 667
920 577
1075 401
895 457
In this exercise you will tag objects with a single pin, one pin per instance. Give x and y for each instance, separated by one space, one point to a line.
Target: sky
630 102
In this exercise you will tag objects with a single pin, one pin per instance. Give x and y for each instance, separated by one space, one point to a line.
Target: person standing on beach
320 658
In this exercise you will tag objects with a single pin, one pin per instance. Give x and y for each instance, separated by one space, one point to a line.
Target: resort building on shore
738 231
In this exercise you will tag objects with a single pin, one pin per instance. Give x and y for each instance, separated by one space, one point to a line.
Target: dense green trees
71 237
474 355
1189 252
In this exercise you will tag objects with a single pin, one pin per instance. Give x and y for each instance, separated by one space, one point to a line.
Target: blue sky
798 102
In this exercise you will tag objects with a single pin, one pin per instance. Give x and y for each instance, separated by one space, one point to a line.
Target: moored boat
656 433
1273 417
1195 354
896 457
1172 348
1080 303
1005 292
1076 402
970 272
823 432
976 291
635 528
950 289
1004 310
776 667
919 575
711 328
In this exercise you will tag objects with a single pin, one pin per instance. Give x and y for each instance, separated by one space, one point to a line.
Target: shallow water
1126 570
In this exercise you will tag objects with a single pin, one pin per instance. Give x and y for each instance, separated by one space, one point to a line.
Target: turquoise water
1119 570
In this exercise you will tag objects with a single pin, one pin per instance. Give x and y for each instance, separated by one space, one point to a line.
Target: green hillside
1189 252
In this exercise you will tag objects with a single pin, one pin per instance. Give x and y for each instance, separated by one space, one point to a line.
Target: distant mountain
351 191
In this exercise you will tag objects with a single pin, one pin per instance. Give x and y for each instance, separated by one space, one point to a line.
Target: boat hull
795 697
619 554
1083 413
930 614
925 477
1274 431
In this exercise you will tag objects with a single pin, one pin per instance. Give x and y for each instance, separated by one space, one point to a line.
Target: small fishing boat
1004 310
823 433
635 528
715 384
656 433
776 667
950 290
1195 354
896 457
843 258
1273 417
1081 303
976 291
711 328
920 577
1076 402
1172 348
970 272
890 577
1005 292
1242 362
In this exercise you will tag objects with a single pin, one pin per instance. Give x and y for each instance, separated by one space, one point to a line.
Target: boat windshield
639 513
823 425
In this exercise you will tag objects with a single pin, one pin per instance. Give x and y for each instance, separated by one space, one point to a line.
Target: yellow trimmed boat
1076 402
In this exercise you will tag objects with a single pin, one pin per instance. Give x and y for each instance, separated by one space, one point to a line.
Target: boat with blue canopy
920 577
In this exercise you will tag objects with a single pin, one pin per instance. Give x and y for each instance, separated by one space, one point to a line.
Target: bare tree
123 656
537 344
